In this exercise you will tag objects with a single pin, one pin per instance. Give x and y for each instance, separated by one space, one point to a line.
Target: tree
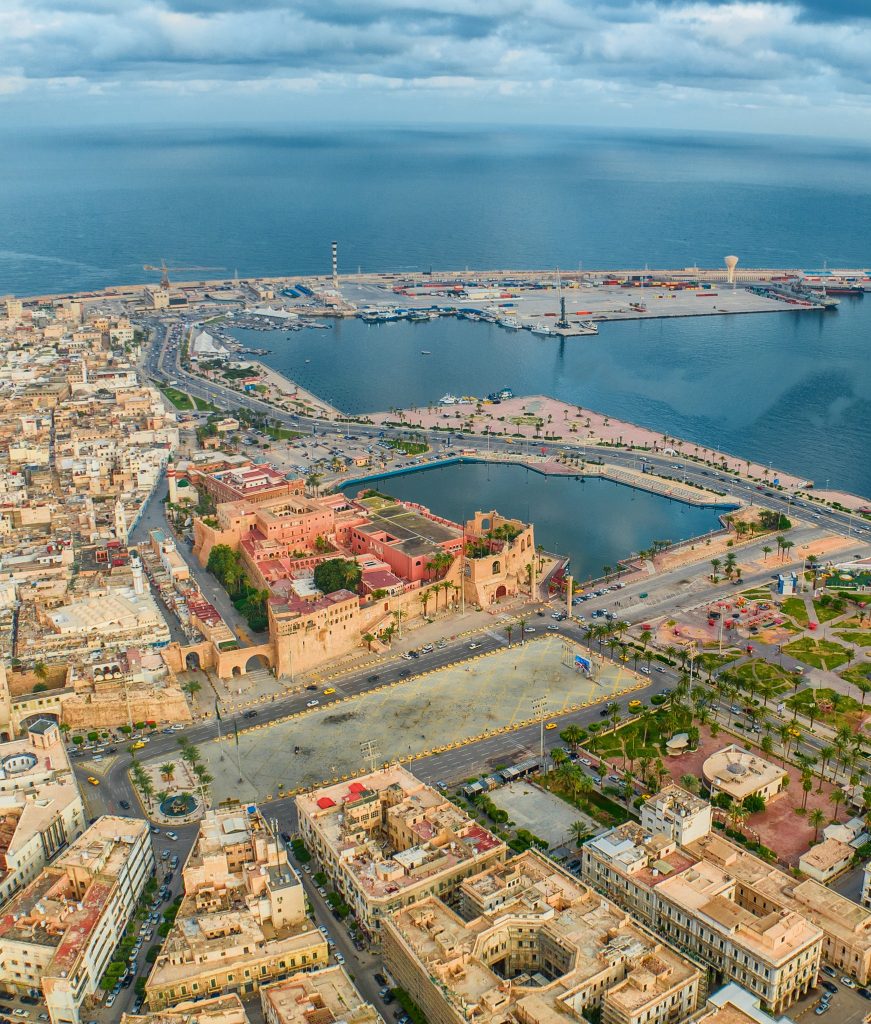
368 638
766 551
690 783
573 735
40 671
753 803
192 687
836 798
167 771
509 630
816 819
579 831
337 574
521 623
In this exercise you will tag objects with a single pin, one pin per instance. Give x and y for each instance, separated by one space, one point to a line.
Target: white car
474 647
339 958
529 629
312 703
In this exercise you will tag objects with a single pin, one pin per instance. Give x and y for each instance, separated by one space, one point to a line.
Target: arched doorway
237 671
192 660
256 661
501 591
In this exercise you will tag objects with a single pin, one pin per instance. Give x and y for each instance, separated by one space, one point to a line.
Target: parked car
250 714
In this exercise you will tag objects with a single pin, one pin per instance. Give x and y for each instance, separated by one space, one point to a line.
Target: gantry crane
164 270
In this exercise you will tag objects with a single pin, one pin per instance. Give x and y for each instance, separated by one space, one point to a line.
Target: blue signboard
584 663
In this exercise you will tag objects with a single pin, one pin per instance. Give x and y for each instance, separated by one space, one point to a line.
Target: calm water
596 522
88 208
792 389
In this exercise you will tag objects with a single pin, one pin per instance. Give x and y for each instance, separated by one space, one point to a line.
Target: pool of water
595 522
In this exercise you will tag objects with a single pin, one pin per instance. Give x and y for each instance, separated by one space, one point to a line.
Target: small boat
425 352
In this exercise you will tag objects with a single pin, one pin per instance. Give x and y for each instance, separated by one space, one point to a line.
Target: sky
785 66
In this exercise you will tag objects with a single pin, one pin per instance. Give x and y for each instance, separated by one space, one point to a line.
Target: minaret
120 521
173 485
138 583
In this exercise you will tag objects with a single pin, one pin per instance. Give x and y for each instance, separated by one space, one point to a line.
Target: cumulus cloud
745 52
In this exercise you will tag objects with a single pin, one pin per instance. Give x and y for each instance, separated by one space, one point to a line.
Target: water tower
731 262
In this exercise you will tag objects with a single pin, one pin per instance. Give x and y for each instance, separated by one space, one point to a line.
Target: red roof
324 802
356 787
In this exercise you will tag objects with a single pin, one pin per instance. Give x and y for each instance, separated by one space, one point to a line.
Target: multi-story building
242 921
59 933
770 950
539 947
765 889
41 810
386 840
219 1010
678 814
322 997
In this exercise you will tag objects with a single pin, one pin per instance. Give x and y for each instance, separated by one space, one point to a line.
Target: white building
678 814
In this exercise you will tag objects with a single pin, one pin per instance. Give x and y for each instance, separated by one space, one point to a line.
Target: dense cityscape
278 746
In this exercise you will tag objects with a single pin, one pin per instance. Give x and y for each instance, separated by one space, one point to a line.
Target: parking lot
846 1006
449 706
542 813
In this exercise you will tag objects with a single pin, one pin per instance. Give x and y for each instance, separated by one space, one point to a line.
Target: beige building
846 926
741 773
771 950
535 946
678 814
41 810
242 922
219 1010
826 860
386 840
59 933
321 997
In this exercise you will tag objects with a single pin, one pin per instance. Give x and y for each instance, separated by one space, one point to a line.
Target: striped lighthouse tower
336 265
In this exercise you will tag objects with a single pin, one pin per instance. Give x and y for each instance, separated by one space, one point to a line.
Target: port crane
164 270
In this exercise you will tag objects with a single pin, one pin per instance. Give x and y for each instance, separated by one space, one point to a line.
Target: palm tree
578 831
558 757
816 820
368 638
192 687
146 788
826 754
522 626
836 798
715 565
690 783
738 814
766 551
566 774
167 770
509 630
424 597
572 734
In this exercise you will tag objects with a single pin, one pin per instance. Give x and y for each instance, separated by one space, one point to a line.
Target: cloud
750 53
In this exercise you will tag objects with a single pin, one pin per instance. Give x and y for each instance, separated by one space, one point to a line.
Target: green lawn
861 637
825 654
186 403
282 433
758 671
828 611
795 608
843 708
857 674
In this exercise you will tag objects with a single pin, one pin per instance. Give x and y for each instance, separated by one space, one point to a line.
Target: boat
509 323
448 399
425 352
543 331
506 393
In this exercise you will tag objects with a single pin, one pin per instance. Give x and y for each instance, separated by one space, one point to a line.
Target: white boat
448 399
544 331
510 324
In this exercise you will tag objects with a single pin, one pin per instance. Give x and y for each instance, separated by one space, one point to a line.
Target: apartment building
59 932
545 948
326 996
771 950
386 840
763 888
242 921
41 810
676 813
734 1005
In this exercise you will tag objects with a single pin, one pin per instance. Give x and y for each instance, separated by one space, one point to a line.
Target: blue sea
84 209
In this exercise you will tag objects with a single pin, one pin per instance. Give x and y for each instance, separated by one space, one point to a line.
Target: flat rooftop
319 997
413 531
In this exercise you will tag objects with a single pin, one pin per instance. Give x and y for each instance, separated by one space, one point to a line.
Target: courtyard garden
824 654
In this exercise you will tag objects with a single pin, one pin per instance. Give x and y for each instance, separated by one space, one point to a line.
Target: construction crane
164 270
